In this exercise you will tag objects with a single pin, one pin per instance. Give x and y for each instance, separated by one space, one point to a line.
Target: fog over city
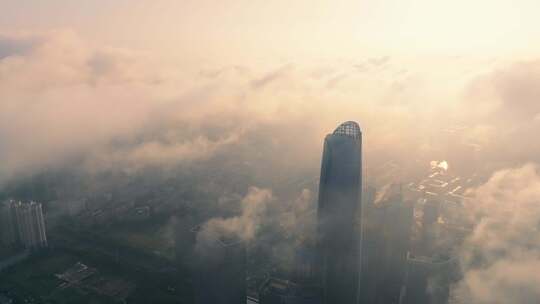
237 138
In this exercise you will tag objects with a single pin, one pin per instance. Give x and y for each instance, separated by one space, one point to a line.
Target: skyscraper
338 213
30 224
8 226
428 279
219 270
386 227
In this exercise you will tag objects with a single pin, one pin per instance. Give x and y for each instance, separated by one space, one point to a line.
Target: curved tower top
348 128
339 215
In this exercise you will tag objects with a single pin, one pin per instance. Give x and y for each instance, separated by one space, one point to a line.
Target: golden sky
402 68
240 30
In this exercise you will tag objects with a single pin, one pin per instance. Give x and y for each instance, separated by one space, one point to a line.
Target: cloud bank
66 104
501 258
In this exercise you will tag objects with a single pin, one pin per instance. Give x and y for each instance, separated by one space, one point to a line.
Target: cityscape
396 244
269 152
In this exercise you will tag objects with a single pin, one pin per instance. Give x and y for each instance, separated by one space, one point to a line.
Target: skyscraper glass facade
339 209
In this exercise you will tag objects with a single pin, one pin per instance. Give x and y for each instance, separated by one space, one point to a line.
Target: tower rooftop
348 128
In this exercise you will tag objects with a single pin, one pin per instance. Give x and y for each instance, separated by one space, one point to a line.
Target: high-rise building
219 270
338 213
8 227
305 263
30 224
429 229
386 228
371 247
428 279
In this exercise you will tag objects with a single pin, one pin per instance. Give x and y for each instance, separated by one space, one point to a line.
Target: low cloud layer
68 102
67 105
501 259
237 228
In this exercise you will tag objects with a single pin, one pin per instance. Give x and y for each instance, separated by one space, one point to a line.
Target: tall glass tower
340 191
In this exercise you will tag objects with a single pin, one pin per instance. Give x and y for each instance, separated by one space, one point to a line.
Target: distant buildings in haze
218 265
23 224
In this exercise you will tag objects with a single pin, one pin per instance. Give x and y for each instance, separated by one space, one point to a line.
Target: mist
86 119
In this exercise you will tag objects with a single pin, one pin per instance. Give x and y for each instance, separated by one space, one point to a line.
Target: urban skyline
160 151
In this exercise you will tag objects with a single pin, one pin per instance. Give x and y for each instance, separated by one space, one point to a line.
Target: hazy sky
242 30
81 74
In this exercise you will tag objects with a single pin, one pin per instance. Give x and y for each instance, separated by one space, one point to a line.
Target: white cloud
501 259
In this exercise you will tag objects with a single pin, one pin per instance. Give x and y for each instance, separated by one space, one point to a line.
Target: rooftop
350 129
24 205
